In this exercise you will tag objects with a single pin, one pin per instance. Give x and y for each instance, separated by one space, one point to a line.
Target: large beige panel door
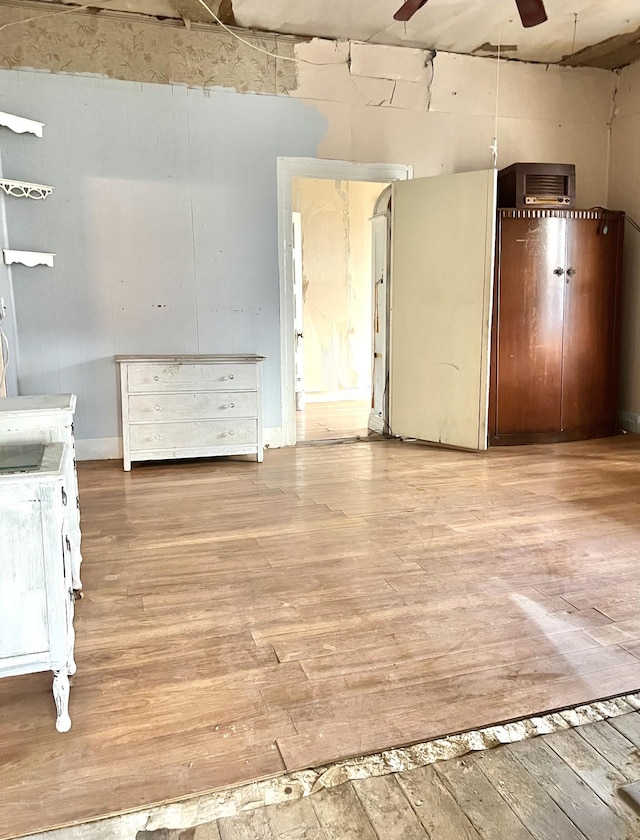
441 294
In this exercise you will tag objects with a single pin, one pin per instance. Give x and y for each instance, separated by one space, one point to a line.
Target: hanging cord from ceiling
494 145
575 30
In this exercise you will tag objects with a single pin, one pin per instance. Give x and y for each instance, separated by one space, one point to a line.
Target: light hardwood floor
566 786
333 420
240 619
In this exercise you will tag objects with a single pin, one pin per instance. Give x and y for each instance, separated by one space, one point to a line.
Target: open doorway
333 306
315 168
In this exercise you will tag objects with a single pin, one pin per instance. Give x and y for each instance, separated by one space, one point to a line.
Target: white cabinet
190 406
47 419
36 588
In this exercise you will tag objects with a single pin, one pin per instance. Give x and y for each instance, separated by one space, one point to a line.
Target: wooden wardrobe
555 356
504 323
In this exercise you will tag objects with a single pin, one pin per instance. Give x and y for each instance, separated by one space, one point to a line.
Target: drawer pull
156 379
229 405
157 408
228 434
228 376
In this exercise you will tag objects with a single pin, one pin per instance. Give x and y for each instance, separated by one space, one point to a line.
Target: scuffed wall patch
144 51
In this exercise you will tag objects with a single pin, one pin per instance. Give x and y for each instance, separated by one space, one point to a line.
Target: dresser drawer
196 435
145 408
147 378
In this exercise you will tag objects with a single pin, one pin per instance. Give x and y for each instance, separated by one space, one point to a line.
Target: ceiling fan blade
532 12
408 9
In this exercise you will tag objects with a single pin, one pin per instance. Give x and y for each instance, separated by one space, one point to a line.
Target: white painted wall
164 215
164 223
624 194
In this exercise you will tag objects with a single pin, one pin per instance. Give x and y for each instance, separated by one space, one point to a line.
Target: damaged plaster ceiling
597 33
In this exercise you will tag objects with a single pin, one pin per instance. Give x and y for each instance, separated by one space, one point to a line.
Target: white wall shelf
21 125
28 258
24 189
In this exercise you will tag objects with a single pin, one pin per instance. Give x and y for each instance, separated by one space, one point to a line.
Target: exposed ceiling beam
194 11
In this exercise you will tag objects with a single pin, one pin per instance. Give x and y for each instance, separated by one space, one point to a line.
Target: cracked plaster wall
441 115
625 195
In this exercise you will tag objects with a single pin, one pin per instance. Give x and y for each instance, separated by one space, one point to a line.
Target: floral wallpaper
142 51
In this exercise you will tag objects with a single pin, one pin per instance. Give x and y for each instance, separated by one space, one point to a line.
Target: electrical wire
494 146
267 52
215 17
631 221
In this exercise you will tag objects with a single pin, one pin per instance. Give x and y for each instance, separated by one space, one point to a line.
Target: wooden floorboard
333 420
523 791
242 619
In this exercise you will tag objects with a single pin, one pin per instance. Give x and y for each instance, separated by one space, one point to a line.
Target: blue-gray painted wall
164 222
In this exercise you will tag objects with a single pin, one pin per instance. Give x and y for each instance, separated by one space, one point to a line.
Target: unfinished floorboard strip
287 787
250 825
341 814
434 805
388 809
616 748
530 803
593 768
490 815
570 793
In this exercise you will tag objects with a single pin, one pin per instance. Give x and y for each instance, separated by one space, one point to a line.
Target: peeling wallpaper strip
290 786
144 51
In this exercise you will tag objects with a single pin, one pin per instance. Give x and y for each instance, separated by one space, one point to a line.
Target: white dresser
190 406
47 419
36 589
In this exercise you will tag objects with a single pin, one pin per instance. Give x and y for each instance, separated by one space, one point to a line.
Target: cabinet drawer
199 406
196 435
146 378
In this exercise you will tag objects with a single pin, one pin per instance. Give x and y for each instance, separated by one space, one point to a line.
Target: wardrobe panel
594 248
529 323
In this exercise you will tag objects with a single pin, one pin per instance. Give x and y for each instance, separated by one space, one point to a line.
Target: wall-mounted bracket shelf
23 189
28 258
21 125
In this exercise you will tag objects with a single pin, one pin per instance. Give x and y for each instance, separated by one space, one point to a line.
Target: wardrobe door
528 340
594 248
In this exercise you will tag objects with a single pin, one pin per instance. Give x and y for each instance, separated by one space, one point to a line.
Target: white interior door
441 296
380 278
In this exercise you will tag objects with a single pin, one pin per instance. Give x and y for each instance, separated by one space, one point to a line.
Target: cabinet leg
71 642
76 583
61 696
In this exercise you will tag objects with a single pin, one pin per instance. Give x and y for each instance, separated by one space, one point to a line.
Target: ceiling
600 33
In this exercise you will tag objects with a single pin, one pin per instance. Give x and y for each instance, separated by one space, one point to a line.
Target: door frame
289 168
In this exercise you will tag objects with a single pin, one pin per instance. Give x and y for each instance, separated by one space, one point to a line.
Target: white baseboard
98 449
629 421
272 437
376 423
104 449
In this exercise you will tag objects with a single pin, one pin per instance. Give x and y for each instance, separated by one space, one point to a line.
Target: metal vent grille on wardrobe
537 185
546 185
